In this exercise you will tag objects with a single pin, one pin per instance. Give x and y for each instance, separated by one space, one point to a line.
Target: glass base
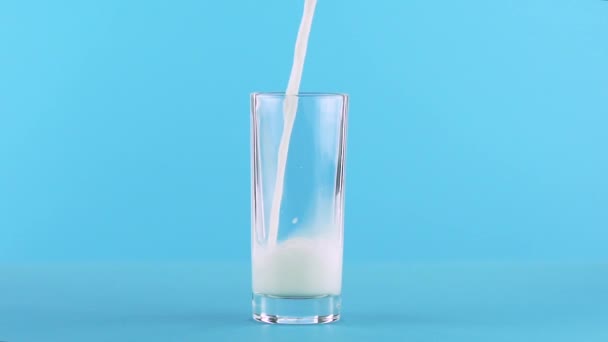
296 310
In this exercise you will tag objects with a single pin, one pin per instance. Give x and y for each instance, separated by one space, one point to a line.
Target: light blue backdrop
478 129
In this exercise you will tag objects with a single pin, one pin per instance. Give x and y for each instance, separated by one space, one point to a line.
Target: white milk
290 108
305 265
298 267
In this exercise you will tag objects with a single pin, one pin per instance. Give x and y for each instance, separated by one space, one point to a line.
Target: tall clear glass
296 247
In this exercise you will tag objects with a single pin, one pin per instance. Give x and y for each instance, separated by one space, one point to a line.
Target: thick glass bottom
296 310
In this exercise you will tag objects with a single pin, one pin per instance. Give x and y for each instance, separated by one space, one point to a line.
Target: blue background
478 129
478 134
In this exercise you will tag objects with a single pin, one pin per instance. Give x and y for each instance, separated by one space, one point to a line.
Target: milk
298 267
290 108
309 264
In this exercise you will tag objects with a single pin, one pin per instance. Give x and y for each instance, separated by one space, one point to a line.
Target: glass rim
300 94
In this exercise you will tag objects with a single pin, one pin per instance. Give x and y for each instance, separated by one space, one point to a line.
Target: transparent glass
297 251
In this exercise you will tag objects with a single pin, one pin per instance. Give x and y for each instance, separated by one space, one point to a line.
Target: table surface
210 301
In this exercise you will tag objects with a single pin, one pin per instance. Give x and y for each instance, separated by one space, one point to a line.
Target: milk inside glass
309 264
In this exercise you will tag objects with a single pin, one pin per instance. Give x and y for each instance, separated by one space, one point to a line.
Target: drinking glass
297 233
